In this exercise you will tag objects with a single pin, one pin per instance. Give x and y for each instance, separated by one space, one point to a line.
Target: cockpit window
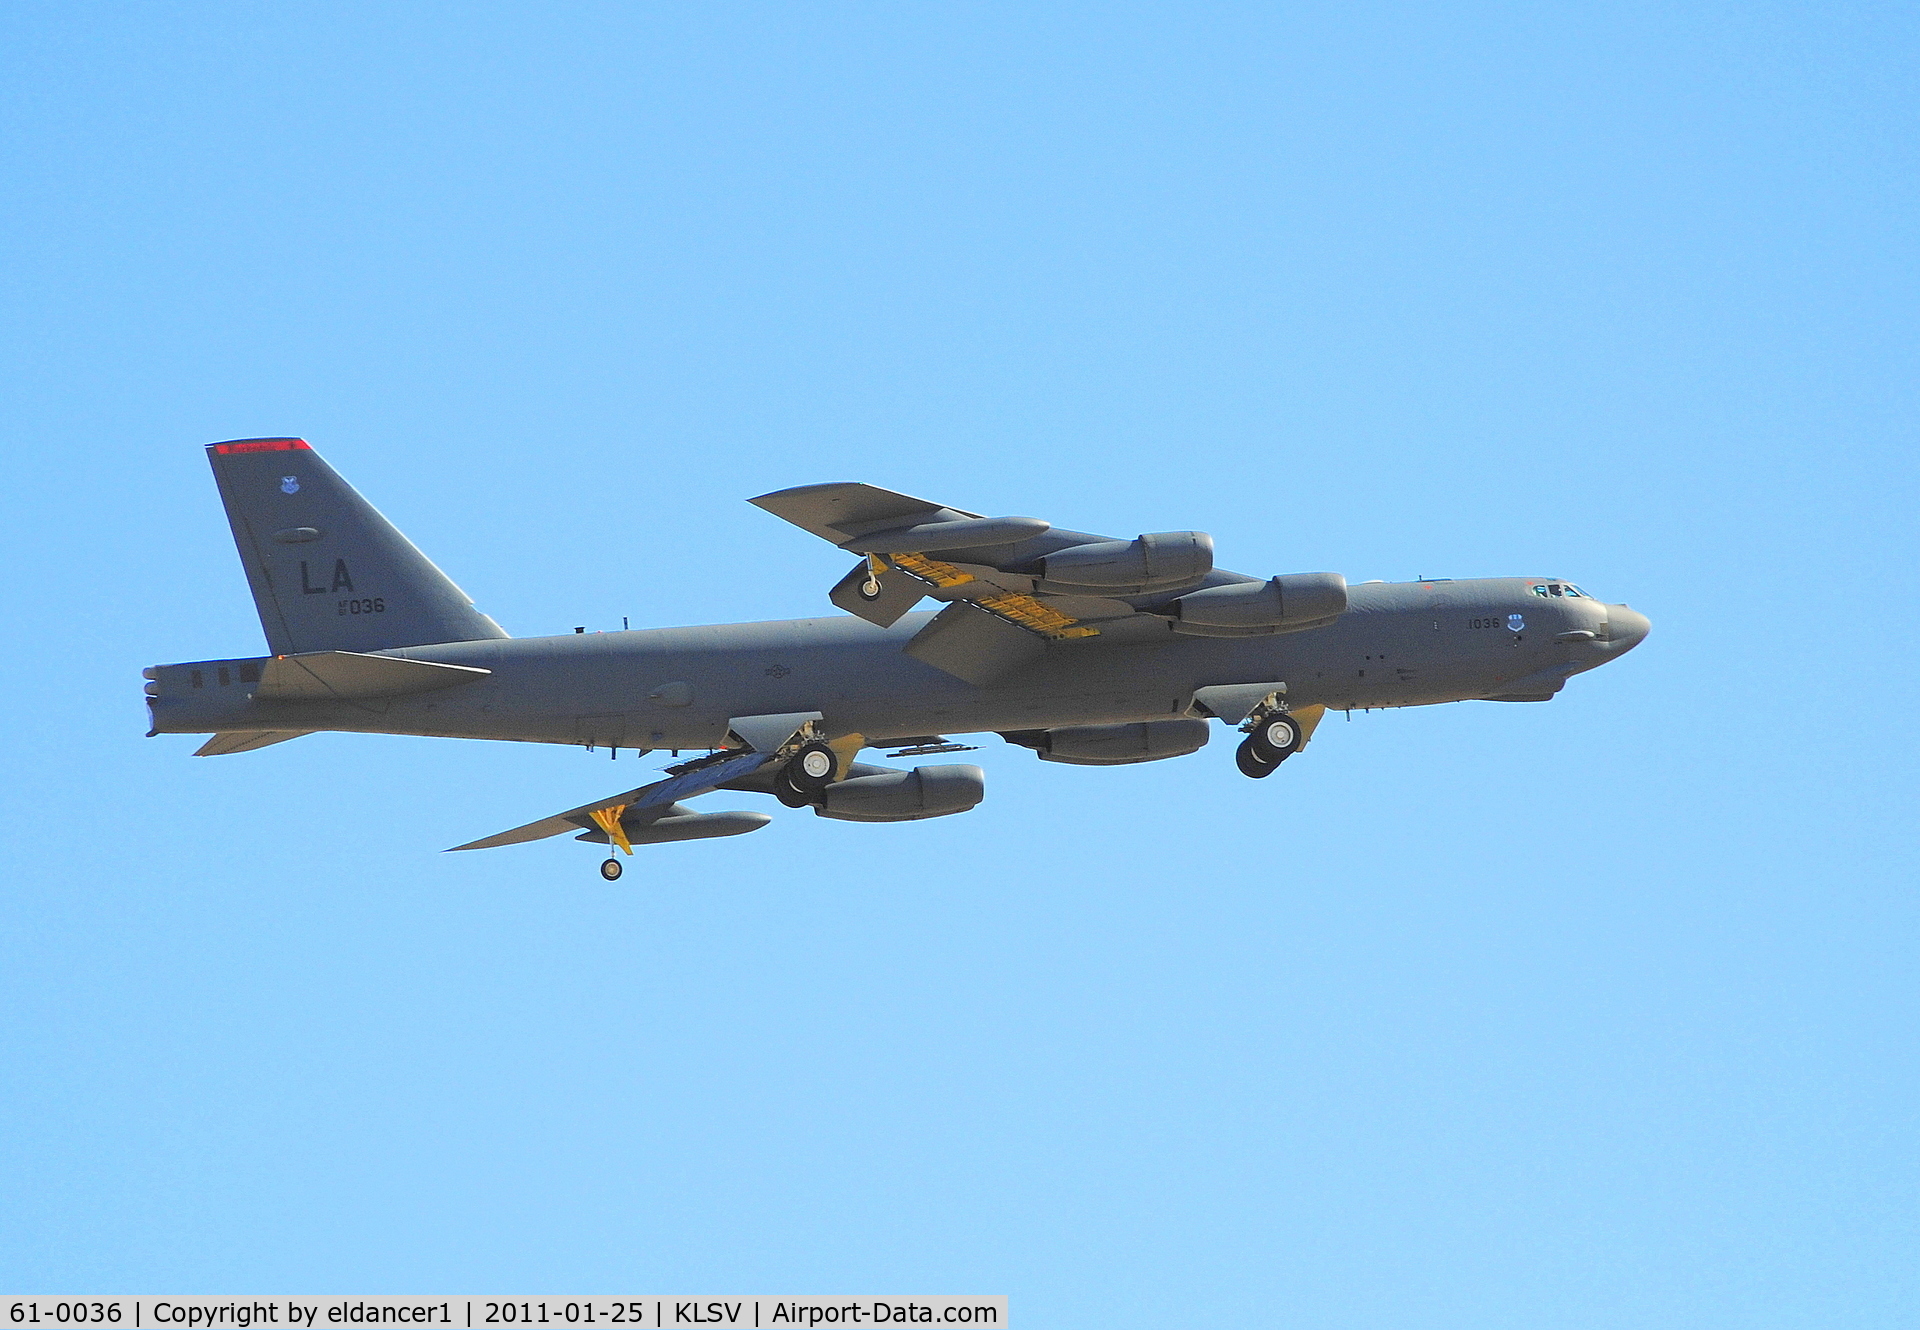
1558 589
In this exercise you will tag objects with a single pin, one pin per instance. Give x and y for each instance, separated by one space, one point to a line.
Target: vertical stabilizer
328 572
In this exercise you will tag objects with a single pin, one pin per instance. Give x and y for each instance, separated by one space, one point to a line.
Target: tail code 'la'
328 572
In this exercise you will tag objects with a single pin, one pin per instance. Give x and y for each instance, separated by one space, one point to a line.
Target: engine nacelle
1158 561
905 796
1115 745
1284 605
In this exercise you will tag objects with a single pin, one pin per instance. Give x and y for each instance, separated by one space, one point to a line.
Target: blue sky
1592 1014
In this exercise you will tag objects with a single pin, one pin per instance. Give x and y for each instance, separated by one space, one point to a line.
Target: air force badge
1517 622
289 484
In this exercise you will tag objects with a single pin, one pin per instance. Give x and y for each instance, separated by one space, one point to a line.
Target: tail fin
328 572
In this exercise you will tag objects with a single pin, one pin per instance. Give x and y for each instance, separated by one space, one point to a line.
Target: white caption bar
653 1311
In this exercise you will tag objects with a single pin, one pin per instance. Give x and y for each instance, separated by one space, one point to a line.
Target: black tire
811 769
1275 739
784 791
611 870
874 594
1250 764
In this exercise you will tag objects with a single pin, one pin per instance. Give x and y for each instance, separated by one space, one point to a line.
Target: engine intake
1158 561
1114 745
905 796
1284 605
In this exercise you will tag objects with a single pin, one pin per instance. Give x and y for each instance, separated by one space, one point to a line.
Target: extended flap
322 676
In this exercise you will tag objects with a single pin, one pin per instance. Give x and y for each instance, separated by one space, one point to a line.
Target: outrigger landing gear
1273 736
608 820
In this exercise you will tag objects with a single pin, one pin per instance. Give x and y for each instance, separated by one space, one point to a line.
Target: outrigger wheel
806 774
1272 741
611 870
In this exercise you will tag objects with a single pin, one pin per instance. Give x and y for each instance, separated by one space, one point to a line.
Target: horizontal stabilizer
244 741
324 675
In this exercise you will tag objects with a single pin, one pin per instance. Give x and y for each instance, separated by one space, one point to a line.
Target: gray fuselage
1399 644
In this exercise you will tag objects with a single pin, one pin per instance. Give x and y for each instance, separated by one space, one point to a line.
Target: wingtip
760 500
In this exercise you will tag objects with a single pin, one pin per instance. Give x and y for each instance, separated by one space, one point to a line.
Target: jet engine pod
905 796
1158 561
1284 605
1115 745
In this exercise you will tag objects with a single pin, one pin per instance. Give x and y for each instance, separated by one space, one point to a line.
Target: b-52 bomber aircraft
1086 649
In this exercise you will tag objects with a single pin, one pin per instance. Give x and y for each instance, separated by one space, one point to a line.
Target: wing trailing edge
245 741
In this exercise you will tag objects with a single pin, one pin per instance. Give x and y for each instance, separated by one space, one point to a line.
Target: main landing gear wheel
1275 739
1251 765
806 775
611 870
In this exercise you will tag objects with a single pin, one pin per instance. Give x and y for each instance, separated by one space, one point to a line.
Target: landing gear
1251 765
611 870
1273 738
806 775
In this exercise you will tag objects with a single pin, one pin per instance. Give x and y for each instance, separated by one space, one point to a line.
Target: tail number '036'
373 605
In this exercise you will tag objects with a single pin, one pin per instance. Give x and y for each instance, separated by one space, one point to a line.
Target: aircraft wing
636 810
1010 584
1013 586
245 741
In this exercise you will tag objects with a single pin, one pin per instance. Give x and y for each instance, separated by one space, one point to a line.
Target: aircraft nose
1626 628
